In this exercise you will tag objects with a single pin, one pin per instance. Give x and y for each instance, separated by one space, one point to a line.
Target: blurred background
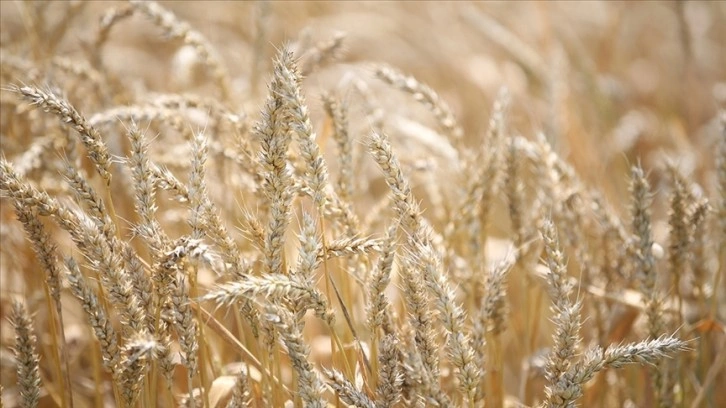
608 82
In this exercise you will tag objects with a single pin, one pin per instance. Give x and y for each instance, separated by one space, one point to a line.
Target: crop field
362 204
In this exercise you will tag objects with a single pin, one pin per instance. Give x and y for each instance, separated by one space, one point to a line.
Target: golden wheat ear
26 356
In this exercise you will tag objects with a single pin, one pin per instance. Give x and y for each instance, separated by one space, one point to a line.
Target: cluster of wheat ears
167 249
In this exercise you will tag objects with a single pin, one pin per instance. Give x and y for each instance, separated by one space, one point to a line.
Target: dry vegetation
363 204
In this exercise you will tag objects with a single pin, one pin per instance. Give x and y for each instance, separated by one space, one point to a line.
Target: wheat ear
176 28
308 382
27 358
91 138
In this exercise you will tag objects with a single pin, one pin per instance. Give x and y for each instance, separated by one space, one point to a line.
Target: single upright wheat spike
494 301
417 304
567 314
308 383
26 356
145 189
338 113
390 377
186 327
97 316
378 302
316 170
646 271
45 249
136 356
406 206
428 264
241 393
474 209
273 132
679 239
699 247
721 175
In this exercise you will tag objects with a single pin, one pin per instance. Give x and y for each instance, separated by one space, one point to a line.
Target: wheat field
362 204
